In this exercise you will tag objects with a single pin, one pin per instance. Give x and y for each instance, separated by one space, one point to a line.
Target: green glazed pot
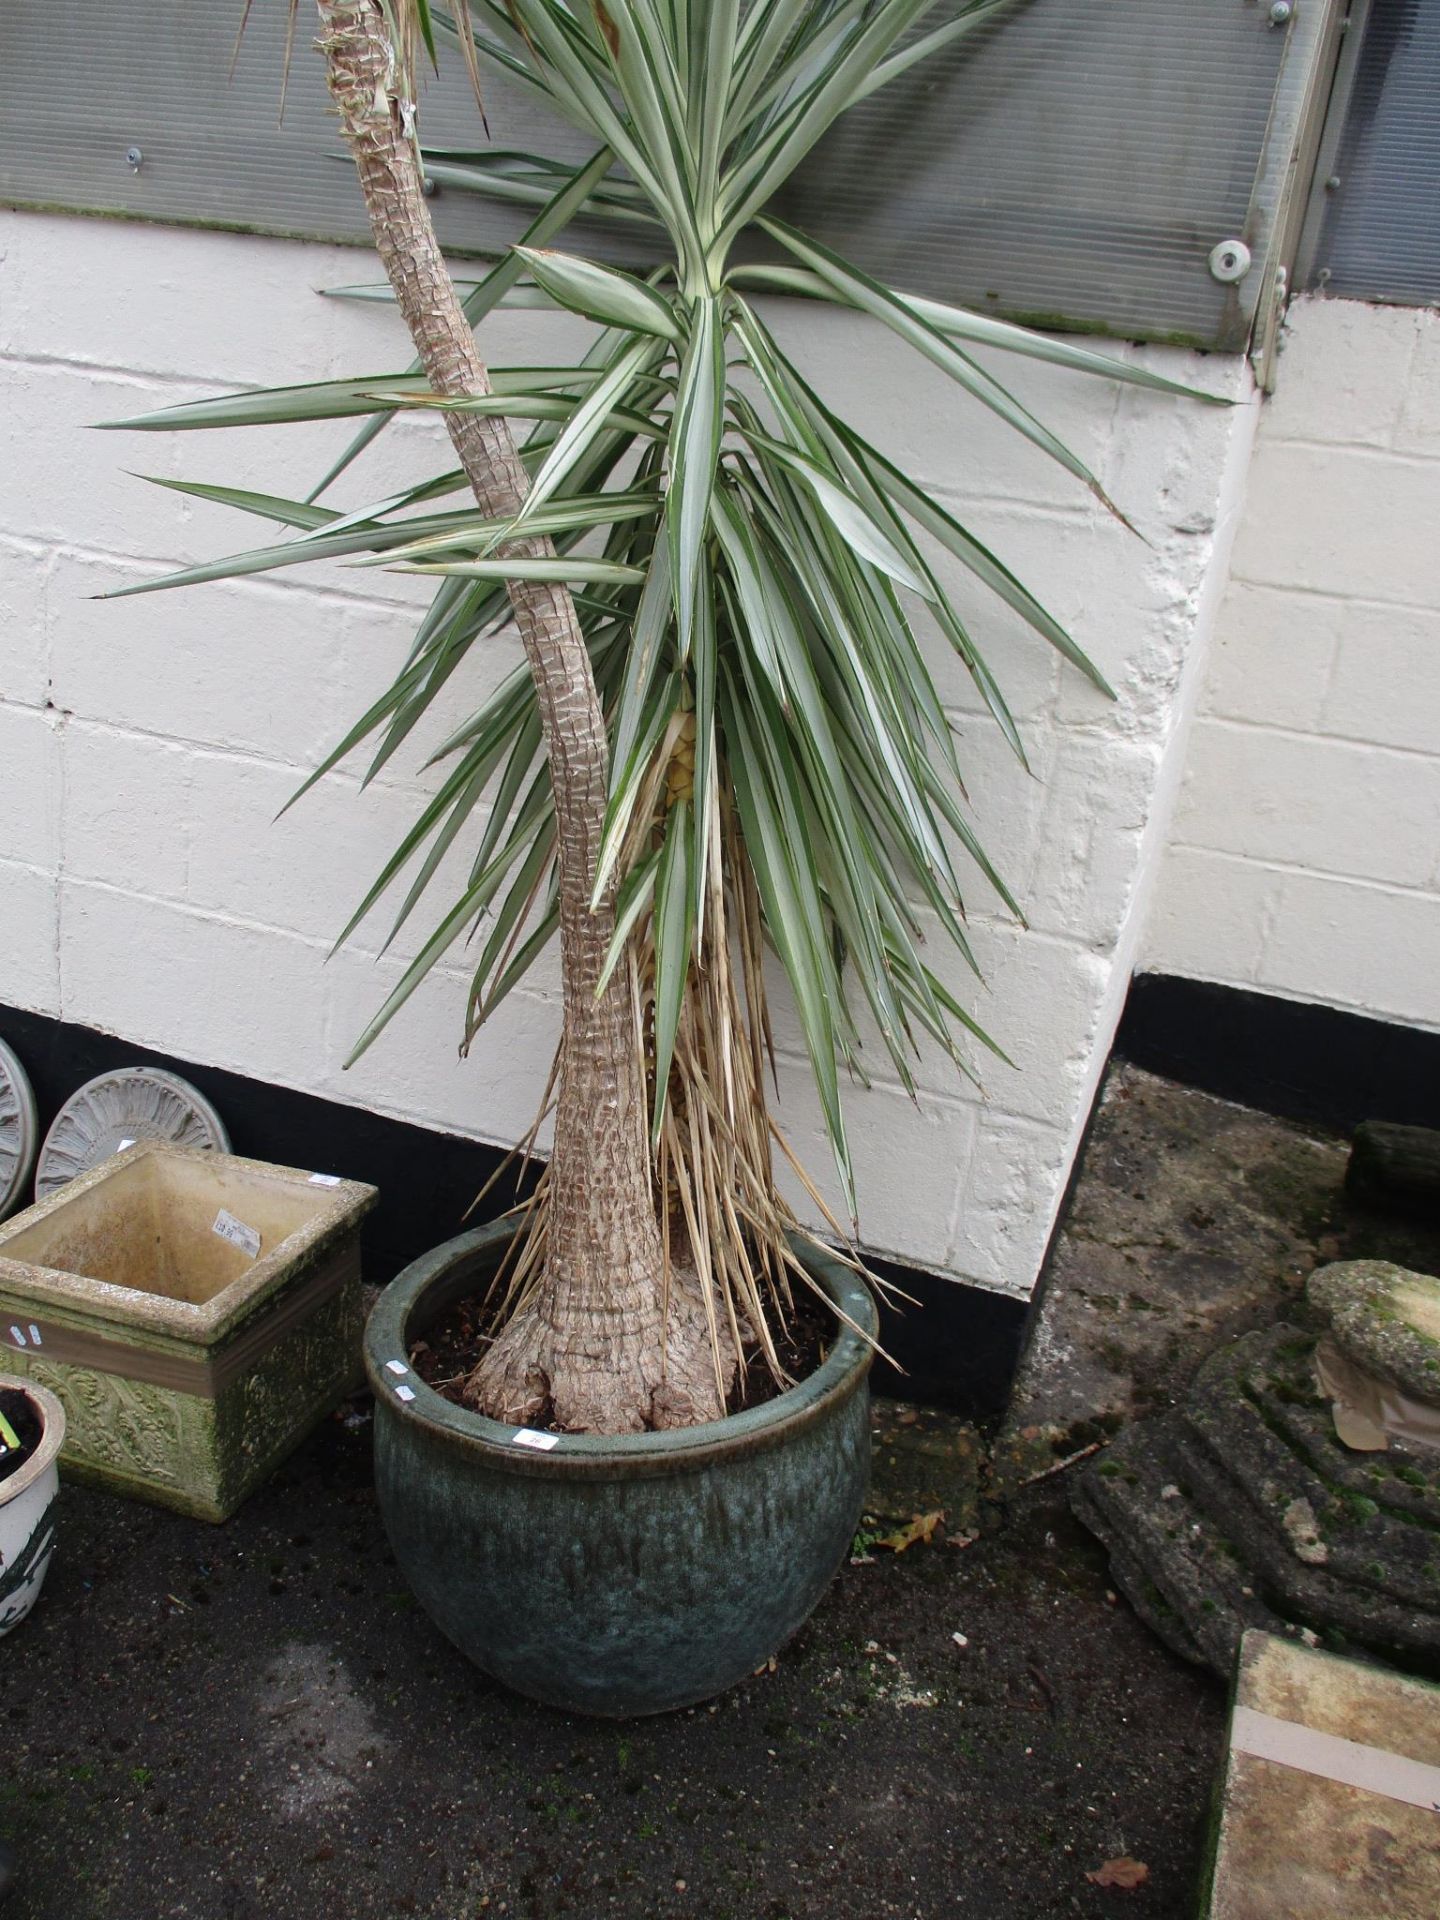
624 1575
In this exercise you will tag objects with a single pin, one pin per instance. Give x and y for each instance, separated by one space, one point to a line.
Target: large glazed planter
615 1576
27 1510
195 1312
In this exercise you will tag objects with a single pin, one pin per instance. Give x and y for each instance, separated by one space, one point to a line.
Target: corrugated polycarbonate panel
84 83
1381 238
1073 163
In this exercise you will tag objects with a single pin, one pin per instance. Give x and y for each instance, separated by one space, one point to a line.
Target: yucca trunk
592 1350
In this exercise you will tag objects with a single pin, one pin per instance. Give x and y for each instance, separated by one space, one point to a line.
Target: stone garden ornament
1297 1487
115 1111
724 737
19 1131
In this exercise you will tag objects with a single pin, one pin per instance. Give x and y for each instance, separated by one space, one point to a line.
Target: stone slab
1294 1844
1192 1221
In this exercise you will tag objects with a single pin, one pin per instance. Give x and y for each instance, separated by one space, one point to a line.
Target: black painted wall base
958 1348
1314 1064
427 1180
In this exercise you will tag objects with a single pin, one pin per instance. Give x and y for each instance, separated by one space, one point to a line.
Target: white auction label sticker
237 1233
542 1442
404 1393
324 1179
396 1366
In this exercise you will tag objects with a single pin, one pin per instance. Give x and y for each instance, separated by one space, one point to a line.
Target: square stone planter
196 1314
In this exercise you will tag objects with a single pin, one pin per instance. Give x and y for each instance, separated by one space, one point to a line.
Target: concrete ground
255 1720
1192 1222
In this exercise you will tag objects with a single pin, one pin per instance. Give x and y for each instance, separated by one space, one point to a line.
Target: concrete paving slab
1331 1806
1192 1221
925 1461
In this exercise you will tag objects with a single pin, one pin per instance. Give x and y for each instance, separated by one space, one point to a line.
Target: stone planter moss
616 1576
189 1364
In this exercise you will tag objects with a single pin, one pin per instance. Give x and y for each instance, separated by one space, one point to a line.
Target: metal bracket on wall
1269 318
1314 39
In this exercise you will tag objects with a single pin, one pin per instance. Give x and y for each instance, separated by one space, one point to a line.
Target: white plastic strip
1329 1757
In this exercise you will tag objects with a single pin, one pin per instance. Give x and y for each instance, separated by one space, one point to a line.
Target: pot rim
843 1369
52 1414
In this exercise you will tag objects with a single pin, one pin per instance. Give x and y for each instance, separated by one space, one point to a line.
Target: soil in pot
25 1423
450 1349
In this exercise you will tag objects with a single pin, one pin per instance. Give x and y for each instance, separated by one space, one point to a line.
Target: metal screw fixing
1280 12
1230 261
133 158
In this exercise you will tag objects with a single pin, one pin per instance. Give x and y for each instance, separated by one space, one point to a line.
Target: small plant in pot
32 1432
725 738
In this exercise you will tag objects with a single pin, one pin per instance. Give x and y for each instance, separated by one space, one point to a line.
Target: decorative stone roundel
136 1103
19 1131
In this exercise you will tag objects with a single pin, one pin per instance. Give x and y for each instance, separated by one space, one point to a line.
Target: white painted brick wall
146 744
1306 851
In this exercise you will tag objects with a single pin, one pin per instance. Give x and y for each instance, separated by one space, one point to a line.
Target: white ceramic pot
27 1510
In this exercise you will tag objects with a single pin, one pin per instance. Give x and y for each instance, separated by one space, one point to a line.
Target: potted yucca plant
725 739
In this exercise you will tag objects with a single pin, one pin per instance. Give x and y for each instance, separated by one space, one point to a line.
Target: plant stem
593 1349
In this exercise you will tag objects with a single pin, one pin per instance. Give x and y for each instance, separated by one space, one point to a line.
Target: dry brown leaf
1124 1872
921 1528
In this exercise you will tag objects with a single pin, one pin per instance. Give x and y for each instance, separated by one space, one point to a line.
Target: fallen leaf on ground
922 1527
1123 1872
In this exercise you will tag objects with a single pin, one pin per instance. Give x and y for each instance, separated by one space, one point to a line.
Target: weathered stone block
1386 1319
1243 1509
